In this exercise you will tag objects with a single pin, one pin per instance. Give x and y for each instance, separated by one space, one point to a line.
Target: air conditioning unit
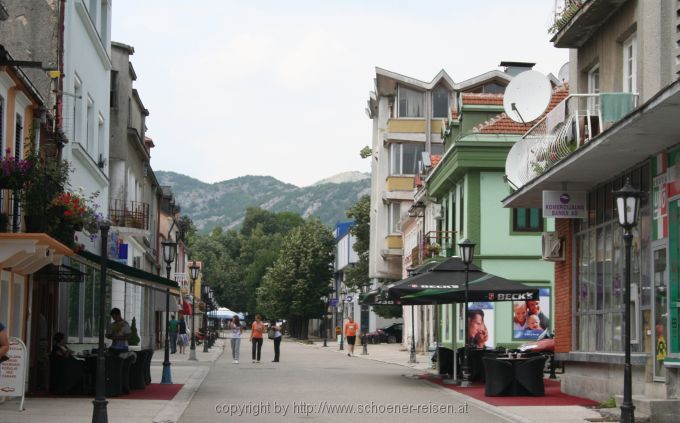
552 247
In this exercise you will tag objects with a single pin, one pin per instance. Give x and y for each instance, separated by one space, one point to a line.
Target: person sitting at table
66 370
477 331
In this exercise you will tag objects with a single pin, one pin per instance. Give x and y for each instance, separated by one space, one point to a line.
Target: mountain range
224 203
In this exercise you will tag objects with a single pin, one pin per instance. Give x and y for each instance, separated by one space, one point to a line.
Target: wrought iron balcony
129 214
569 126
434 243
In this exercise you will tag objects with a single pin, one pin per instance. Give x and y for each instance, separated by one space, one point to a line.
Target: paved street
312 383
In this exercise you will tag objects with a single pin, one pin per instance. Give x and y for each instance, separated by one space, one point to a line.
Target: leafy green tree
292 286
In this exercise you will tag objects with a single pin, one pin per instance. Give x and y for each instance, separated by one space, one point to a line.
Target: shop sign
13 371
564 204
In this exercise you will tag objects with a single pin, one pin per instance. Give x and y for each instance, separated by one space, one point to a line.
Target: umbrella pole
436 334
412 357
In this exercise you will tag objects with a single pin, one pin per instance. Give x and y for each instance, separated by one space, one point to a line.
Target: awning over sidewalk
649 129
26 253
131 274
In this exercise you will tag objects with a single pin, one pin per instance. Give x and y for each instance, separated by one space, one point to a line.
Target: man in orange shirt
351 333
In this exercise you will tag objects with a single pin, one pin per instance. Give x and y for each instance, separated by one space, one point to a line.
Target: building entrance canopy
26 253
646 131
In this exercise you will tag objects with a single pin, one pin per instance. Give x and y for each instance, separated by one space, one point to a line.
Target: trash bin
445 358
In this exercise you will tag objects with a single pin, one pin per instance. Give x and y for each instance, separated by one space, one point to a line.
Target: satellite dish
563 74
527 96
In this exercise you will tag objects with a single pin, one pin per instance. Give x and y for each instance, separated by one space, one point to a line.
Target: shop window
527 220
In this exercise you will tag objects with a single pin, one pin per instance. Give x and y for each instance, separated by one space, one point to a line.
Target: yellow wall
436 125
406 125
393 241
400 183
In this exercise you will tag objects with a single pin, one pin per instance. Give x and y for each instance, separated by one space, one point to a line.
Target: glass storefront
600 271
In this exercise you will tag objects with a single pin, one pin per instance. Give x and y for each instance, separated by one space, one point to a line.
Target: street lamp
204 299
194 268
467 252
324 299
628 207
99 411
364 325
342 319
169 252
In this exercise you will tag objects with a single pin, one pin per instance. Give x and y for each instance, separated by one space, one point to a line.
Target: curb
174 409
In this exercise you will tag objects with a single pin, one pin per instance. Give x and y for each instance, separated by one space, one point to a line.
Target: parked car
389 334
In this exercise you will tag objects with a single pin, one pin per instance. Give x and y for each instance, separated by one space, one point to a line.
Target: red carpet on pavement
553 395
155 391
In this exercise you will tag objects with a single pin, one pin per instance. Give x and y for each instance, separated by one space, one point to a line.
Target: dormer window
440 102
410 103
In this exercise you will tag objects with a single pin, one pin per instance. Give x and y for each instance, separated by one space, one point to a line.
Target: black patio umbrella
380 296
445 284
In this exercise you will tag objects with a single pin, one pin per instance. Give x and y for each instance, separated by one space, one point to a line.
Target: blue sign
349 299
334 302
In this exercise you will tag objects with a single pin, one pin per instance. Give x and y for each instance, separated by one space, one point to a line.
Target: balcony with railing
434 243
129 214
566 128
577 20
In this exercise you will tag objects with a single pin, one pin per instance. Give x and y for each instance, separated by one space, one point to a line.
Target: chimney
515 68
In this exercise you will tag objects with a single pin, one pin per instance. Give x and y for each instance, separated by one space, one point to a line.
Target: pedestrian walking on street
351 333
182 338
173 327
256 337
236 331
276 335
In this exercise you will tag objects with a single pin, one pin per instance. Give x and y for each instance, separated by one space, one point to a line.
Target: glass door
660 311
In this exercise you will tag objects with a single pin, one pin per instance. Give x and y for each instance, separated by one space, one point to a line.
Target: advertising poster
481 324
530 318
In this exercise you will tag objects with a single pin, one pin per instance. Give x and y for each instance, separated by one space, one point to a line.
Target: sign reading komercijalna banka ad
564 204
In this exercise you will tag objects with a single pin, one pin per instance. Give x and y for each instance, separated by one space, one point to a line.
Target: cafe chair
147 366
529 376
66 375
137 371
499 377
114 379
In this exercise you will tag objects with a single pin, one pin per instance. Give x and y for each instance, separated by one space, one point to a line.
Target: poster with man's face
531 317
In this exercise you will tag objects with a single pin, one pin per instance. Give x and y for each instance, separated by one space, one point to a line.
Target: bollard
364 351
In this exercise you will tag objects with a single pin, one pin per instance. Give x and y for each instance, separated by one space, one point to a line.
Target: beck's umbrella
380 295
445 284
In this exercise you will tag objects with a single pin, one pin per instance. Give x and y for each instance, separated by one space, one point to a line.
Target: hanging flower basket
14 172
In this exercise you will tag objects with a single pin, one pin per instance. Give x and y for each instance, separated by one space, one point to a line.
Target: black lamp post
99 411
412 355
364 325
342 319
467 252
169 252
194 268
324 299
628 207
204 299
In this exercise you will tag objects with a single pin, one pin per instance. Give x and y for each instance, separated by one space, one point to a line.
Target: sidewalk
68 410
398 354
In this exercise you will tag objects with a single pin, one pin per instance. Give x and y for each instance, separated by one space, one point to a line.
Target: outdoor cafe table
514 376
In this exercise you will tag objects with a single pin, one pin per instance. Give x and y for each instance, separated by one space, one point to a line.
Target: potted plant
14 172
133 338
47 179
434 248
75 212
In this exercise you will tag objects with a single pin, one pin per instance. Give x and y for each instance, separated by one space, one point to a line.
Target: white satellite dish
563 74
527 96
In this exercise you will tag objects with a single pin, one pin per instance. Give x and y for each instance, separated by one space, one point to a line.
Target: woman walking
276 335
236 331
182 338
256 332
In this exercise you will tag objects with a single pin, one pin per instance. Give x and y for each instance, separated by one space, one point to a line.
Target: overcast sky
279 87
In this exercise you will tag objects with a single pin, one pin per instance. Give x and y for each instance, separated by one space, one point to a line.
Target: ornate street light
99 411
194 269
324 300
364 325
467 252
169 252
628 207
